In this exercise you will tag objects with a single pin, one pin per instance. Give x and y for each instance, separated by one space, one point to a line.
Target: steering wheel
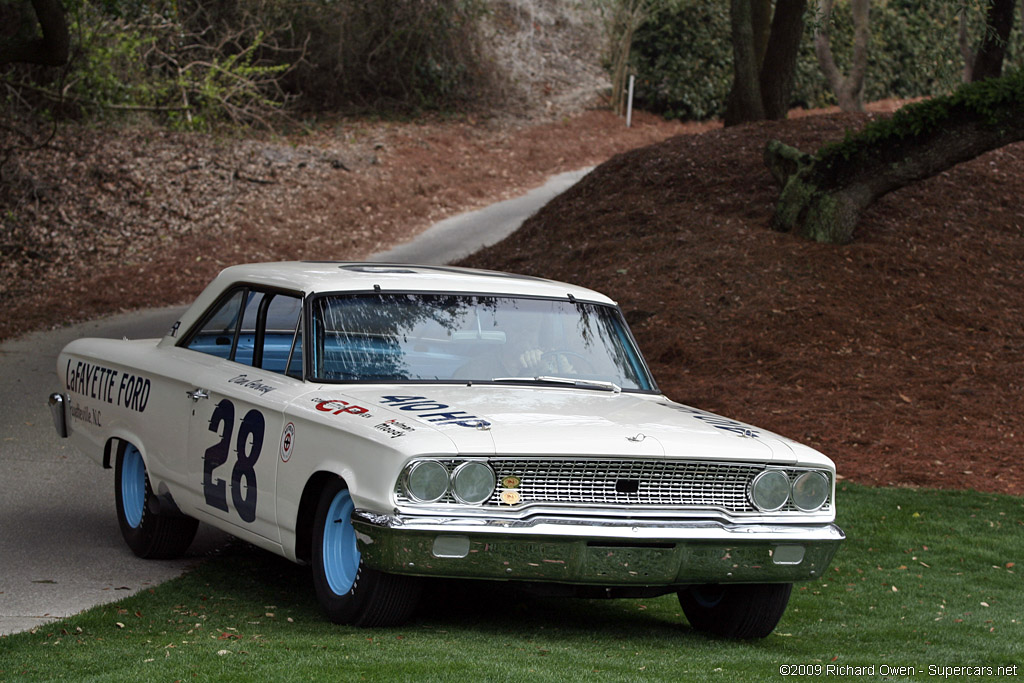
552 357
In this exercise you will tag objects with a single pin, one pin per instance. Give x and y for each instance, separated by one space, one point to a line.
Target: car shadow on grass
240 573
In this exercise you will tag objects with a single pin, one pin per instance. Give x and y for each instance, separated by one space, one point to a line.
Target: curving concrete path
60 547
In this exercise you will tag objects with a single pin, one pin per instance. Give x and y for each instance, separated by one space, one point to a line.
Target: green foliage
682 57
162 58
197 64
925 579
683 54
994 102
108 68
399 55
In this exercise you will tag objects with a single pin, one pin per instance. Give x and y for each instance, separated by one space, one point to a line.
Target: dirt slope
900 355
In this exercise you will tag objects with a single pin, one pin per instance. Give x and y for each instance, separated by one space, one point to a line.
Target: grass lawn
927 581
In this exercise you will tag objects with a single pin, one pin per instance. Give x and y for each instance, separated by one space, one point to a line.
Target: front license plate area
654 564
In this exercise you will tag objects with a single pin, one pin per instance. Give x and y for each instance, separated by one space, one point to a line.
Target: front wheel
150 534
348 591
735 610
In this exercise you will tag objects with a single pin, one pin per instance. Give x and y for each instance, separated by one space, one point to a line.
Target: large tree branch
823 196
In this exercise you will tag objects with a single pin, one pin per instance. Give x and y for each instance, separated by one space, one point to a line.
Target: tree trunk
50 50
744 103
823 196
988 62
761 21
966 51
764 58
779 67
849 90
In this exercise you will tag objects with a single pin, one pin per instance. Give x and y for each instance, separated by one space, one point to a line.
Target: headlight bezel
793 477
780 483
473 468
470 492
824 492
410 485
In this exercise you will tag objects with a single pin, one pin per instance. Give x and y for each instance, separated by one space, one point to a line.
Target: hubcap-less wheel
350 592
133 486
151 528
735 610
341 556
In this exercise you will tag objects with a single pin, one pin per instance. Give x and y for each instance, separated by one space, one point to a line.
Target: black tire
348 591
148 533
735 610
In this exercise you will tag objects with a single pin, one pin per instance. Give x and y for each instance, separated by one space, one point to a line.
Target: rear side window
261 329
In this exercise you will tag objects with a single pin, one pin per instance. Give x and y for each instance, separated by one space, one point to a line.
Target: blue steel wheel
349 591
151 530
340 554
133 486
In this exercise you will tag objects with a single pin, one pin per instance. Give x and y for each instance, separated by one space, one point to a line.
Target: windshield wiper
582 383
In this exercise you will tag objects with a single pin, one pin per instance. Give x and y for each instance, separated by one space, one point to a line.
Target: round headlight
770 490
810 491
473 482
427 481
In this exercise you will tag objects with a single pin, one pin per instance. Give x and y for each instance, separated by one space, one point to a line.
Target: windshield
466 338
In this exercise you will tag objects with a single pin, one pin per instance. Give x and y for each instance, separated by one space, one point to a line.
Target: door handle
197 394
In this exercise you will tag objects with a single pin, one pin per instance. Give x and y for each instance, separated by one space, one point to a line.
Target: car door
238 408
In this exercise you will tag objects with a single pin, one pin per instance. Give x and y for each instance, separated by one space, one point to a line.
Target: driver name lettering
439 413
254 384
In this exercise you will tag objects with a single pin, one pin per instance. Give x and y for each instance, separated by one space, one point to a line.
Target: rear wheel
147 532
348 591
735 610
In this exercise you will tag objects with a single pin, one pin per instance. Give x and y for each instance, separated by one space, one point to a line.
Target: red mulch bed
900 355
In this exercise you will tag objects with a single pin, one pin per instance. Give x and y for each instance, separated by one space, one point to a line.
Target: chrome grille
627 482
657 484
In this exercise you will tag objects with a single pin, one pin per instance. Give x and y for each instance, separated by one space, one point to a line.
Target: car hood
514 420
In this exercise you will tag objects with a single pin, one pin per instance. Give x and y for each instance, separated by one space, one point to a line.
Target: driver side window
261 329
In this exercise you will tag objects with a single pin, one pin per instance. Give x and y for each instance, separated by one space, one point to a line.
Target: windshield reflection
465 338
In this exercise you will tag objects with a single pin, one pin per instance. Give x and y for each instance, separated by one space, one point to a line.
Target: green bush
399 55
195 64
683 59
682 56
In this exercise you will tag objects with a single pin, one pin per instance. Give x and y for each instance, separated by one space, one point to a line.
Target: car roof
312 277
315 277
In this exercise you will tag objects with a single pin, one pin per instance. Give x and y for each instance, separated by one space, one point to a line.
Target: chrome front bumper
604 552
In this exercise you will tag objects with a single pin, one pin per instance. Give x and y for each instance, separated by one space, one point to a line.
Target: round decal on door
287 442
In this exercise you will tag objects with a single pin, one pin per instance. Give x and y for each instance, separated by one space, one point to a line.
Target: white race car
386 423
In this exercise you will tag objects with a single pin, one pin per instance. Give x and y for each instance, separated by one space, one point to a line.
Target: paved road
60 547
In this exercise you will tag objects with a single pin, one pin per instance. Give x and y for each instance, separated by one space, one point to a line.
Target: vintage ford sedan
388 423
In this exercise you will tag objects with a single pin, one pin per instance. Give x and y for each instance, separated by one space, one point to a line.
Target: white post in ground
629 102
